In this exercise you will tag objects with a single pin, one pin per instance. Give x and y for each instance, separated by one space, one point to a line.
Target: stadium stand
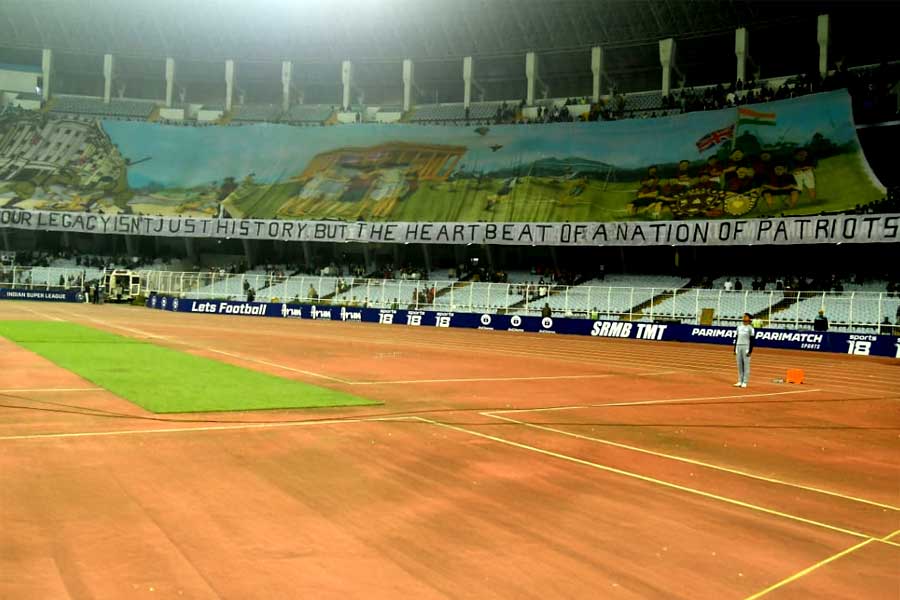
121 108
127 108
862 308
257 112
872 87
225 286
298 286
873 90
79 105
632 297
612 296
301 113
727 306
446 113
643 101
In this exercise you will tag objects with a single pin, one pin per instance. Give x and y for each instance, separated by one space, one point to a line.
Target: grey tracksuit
742 347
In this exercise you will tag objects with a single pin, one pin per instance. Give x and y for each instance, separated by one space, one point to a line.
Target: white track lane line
241 426
222 352
646 402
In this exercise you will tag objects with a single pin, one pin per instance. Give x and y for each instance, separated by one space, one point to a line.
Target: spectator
738 286
821 322
728 285
546 311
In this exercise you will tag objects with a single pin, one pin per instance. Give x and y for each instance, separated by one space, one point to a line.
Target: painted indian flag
747 116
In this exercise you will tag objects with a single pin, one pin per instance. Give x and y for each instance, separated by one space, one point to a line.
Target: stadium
427 299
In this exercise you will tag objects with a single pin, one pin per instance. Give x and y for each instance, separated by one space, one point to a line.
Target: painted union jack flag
714 138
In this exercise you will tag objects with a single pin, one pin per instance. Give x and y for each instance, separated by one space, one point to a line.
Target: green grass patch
163 380
263 201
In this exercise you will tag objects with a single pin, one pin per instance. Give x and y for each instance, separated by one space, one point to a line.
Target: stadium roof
381 30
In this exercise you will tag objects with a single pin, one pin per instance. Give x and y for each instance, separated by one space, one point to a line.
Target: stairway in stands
551 290
355 282
780 306
638 311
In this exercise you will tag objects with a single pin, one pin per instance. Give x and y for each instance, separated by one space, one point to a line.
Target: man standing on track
743 348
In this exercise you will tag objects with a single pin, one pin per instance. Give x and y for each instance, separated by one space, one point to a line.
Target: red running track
499 465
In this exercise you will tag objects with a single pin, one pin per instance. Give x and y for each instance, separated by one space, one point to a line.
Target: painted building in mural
54 163
425 162
376 177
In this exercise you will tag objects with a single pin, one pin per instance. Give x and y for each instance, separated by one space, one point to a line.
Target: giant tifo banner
862 344
793 157
788 230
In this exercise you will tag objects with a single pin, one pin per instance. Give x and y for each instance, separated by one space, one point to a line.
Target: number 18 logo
861 347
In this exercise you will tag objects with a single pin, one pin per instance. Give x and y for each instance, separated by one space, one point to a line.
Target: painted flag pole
748 116
737 126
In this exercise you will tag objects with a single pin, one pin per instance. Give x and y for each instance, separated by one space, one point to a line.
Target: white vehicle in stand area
121 285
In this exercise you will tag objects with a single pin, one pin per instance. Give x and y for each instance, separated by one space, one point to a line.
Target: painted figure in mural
781 184
762 168
713 169
683 180
804 171
648 192
736 161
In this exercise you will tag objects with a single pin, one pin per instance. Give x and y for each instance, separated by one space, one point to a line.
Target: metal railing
859 311
46 278
862 311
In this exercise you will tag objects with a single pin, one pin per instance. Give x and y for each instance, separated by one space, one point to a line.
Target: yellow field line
818 565
647 479
693 462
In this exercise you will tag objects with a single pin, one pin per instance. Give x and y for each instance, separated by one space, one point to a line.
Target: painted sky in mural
187 156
